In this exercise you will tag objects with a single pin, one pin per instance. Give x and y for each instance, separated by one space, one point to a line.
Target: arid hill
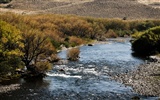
131 9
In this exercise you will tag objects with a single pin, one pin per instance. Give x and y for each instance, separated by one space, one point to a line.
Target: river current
89 78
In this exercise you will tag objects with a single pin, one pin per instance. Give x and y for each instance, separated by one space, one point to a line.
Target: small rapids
86 79
63 75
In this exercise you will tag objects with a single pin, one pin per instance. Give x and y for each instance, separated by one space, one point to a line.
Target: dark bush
5 1
148 43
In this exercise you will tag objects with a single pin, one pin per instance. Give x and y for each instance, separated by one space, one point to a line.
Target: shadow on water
8 82
30 89
144 57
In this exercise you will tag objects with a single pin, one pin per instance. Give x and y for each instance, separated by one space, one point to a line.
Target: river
89 78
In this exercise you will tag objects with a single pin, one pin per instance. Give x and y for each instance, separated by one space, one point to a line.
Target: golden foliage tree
10 44
36 45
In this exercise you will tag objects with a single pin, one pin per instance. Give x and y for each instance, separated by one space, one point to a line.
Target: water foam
63 75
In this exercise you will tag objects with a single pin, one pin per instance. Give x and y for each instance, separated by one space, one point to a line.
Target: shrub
111 34
64 44
54 58
74 41
123 33
56 44
73 54
43 66
148 42
10 65
10 45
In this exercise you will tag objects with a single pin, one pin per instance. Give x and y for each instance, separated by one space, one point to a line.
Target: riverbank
87 78
7 88
144 80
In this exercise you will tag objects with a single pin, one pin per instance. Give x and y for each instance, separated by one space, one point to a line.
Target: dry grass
73 54
131 9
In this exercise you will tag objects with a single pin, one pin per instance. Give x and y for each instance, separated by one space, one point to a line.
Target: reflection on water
87 79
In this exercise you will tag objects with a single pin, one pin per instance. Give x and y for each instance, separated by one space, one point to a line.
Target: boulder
90 44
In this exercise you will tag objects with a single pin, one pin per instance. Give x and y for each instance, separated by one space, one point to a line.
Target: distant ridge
130 9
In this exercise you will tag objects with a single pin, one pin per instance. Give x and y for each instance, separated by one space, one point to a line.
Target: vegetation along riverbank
146 78
33 40
30 39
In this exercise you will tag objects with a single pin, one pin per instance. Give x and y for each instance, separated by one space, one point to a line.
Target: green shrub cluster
10 44
148 42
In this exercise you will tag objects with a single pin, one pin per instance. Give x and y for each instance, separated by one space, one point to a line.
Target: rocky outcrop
90 44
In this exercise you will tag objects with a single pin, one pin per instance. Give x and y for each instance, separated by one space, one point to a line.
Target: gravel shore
7 88
145 80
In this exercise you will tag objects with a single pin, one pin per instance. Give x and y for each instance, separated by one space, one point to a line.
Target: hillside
131 9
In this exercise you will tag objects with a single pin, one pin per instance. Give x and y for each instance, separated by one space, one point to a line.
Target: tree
37 48
10 44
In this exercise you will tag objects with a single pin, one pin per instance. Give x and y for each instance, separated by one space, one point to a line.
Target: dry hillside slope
132 9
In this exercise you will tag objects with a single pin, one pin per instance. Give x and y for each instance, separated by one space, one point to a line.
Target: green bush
148 43
10 65
56 44
10 45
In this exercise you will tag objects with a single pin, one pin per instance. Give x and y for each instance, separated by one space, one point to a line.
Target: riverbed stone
7 88
145 80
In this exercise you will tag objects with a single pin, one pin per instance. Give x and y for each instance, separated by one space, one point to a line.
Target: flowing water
86 79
